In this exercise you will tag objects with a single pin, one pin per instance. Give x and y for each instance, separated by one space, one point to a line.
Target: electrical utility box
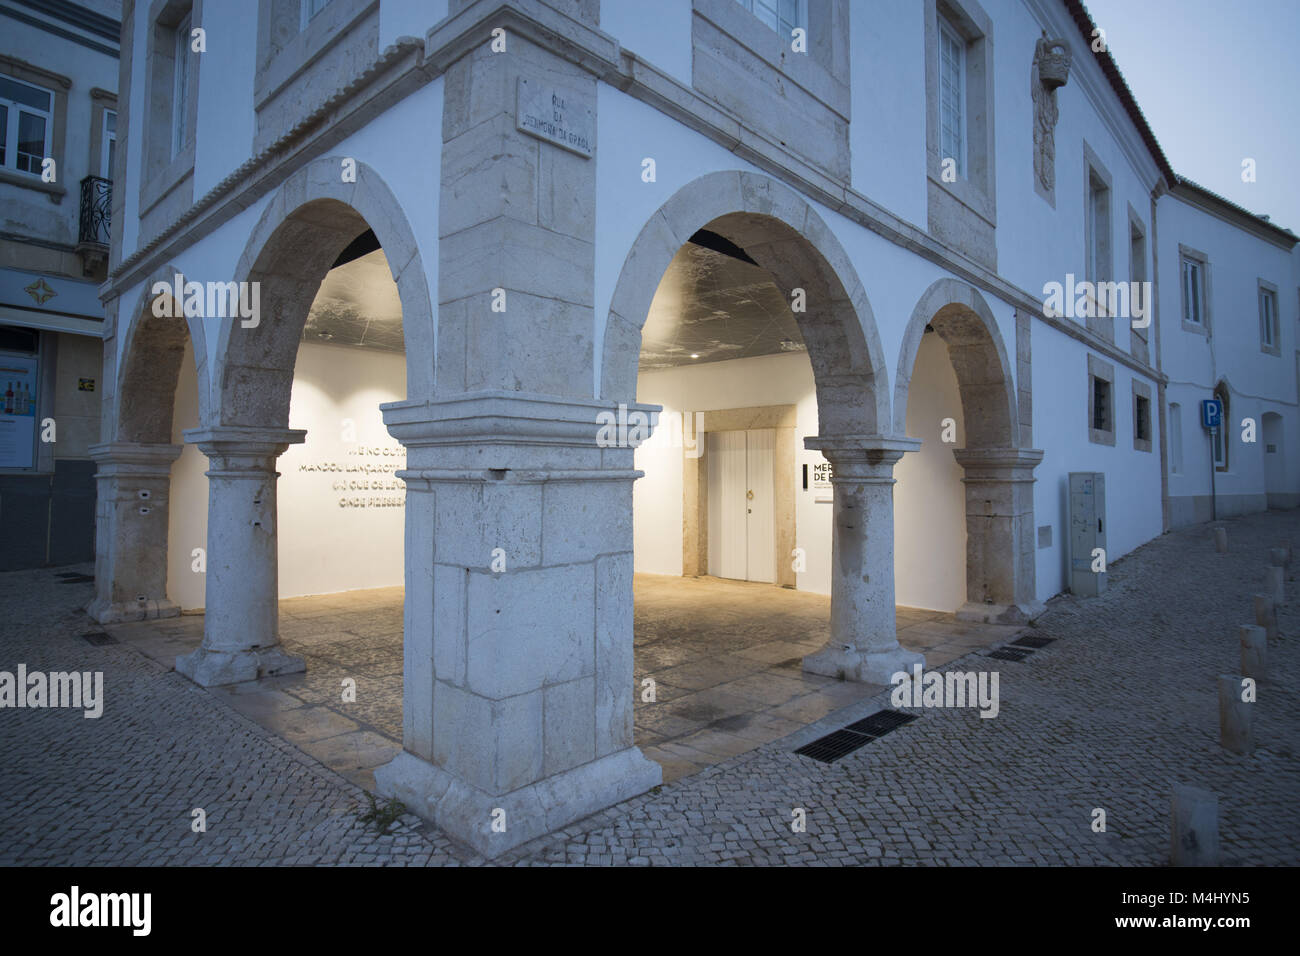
1087 532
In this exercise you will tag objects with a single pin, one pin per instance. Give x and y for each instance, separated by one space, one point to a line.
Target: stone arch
133 464
154 347
781 232
960 316
312 218
998 470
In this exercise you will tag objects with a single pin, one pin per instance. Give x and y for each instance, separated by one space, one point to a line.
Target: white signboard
557 115
17 411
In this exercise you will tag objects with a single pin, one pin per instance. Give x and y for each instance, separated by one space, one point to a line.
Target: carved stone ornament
1050 71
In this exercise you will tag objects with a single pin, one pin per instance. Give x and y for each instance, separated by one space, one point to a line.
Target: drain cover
1030 641
99 638
880 723
1010 654
833 746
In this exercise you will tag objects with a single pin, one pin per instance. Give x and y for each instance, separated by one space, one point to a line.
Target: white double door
742 512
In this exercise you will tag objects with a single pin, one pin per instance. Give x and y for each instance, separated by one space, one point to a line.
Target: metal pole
1214 500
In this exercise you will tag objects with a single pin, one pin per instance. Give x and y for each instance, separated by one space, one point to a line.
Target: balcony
96 218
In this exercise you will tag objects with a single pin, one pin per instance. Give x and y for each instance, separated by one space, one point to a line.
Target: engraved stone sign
557 115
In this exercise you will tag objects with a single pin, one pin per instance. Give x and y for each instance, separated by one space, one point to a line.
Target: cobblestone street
1118 707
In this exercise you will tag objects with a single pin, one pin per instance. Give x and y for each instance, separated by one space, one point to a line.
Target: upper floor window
1195 314
1268 322
1098 228
26 125
180 86
783 16
309 10
109 141
952 95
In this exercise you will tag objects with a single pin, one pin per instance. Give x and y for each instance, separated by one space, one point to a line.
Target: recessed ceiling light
695 355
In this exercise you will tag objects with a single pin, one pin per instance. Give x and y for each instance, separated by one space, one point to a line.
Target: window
1101 405
783 16
1101 401
1176 438
1218 442
1098 229
1194 268
180 87
1141 416
309 10
952 95
1268 322
109 141
26 125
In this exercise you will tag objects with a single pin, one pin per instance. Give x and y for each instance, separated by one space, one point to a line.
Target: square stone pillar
518 647
864 636
1000 540
241 624
133 485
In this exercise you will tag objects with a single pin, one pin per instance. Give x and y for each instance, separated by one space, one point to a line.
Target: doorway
742 513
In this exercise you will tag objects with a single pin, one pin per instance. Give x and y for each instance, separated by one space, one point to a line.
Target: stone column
1000 536
133 482
864 638
241 633
518 647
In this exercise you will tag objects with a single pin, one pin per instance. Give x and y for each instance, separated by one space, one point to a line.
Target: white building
58 103
818 236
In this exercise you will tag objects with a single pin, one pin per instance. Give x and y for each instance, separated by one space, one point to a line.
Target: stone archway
310 220
998 470
781 232
133 471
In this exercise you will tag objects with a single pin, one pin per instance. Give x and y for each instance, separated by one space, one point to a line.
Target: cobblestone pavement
1121 705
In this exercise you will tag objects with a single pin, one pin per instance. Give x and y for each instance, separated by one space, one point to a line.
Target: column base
214 668
874 667
1000 613
125 613
466 813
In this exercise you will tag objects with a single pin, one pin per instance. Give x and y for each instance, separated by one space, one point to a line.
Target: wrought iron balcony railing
96 210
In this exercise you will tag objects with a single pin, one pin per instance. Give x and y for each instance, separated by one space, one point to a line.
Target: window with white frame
309 10
26 125
180 87
1268 326
952 96
1193 291
108 147
783 16
1098 229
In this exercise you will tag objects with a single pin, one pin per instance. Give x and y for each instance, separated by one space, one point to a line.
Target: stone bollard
1236 732
1266 615
1221 540
1275 584
1254 650
1195 837
1278 557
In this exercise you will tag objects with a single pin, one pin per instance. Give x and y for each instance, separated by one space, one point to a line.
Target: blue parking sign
1211 413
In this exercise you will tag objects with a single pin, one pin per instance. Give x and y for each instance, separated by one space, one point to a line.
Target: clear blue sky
1217 83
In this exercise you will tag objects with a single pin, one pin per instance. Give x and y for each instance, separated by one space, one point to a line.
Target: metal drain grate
1030 641
840 743
832 747
77 578
99 638
1010 654
880 723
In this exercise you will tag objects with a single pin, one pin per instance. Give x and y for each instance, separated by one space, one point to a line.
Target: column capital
244 440
998 464
142 459
856 457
